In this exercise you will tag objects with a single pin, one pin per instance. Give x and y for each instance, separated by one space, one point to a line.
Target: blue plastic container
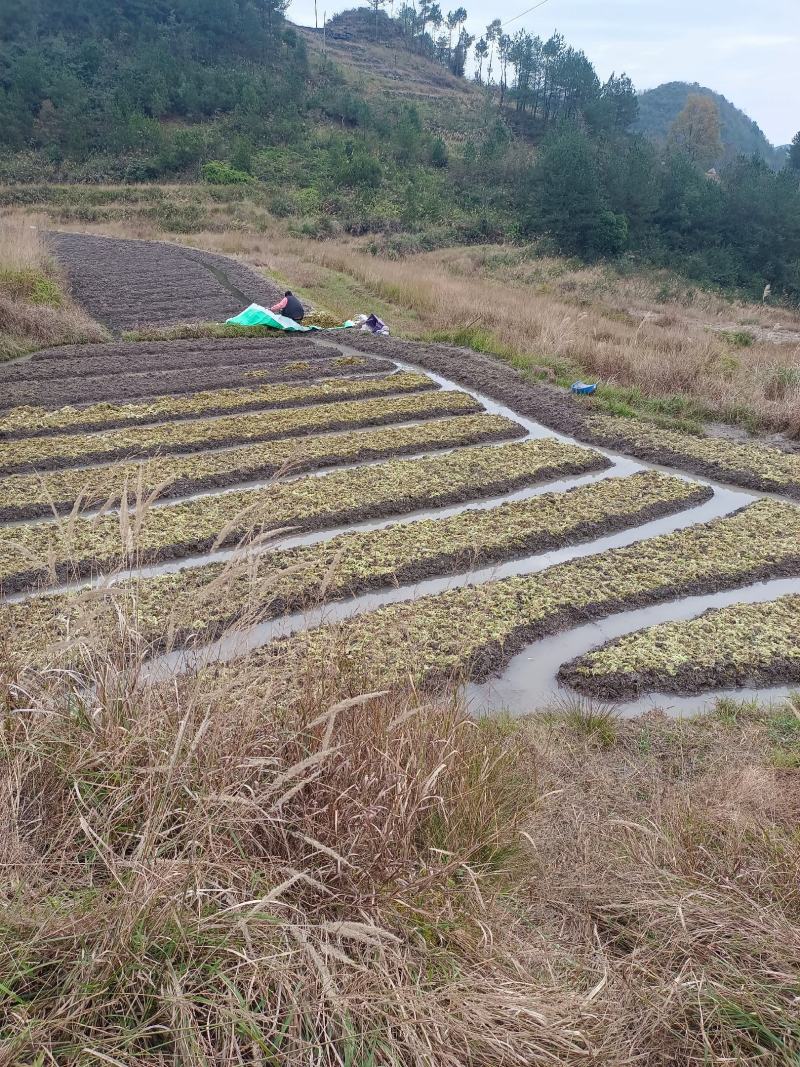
583 389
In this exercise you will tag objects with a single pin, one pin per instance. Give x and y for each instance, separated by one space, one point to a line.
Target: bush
218 173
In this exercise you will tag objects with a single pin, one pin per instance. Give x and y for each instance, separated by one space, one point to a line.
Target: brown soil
111 452
549 405
253 402
145 384
236 475
689 679
130 284
126 357
36 576
449 564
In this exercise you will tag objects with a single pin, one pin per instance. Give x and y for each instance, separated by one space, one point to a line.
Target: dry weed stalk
191 876
191 880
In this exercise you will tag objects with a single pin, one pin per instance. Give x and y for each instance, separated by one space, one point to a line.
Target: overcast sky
746 50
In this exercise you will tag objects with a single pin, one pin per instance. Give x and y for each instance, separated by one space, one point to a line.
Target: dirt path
130 284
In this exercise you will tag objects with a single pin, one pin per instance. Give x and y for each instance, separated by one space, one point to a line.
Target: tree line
146 89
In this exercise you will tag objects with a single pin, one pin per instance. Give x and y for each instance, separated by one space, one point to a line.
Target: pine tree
794 153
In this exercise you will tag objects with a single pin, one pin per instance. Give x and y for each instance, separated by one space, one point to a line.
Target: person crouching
290 306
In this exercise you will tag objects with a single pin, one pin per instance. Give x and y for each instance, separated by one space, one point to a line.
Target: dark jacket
294 309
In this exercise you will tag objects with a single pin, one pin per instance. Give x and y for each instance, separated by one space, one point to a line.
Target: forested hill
658 109
403 130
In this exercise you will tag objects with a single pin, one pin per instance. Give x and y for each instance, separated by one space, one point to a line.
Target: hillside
659 107
371 128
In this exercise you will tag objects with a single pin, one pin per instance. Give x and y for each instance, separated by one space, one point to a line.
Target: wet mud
340 388
251 471
441 566
129 357
140 385
40 576
551 406
112 453
490 661
688 680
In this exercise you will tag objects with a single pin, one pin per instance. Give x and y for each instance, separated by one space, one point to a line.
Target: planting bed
31 422
73 450
472 632
753 466
120 357
125 284
76 547
26 496
179 405
54 393
741 645
750 464
200 603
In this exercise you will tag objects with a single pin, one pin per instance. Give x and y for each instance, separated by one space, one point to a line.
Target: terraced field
365 498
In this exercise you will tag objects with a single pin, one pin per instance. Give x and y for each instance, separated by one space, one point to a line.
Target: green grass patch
31 286
191 331
744 462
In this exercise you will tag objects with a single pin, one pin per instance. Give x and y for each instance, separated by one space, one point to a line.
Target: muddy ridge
38 576
126 357
143 385
131 284
187 448
223 479
251 403
551 406
492 659
445 565
688 680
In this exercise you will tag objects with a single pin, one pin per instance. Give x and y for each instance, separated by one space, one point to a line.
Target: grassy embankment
35 309
189 878
660 347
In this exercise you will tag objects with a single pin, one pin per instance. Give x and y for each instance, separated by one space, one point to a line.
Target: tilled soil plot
557 409
125 357
177 381
130 284
685 681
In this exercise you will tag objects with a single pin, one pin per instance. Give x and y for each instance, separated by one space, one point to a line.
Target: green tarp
255 315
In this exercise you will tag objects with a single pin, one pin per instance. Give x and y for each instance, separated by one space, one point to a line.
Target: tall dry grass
35 309
195 877
21 245
645 331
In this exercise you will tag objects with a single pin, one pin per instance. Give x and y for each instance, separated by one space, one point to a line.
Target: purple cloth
375 325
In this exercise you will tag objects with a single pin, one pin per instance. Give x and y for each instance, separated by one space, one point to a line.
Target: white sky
748 51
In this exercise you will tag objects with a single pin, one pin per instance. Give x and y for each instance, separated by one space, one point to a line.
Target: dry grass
382 880
658 346
35 311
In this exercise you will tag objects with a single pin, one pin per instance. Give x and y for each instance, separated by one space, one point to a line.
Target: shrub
218 173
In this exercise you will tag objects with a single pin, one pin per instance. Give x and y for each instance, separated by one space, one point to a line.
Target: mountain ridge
741 135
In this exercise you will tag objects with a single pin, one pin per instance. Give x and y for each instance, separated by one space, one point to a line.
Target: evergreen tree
794 153
569 204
